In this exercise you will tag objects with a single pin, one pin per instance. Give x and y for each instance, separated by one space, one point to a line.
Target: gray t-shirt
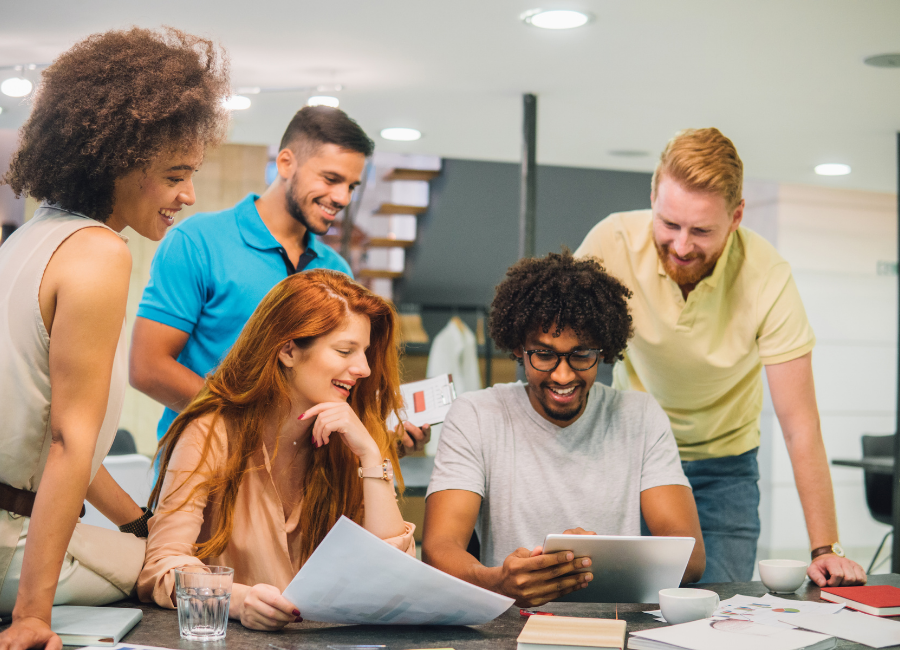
536 478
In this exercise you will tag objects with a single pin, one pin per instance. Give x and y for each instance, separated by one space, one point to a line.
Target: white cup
682 605
782 576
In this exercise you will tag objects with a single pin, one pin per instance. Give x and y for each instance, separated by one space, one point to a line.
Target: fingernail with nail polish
301 416
296 612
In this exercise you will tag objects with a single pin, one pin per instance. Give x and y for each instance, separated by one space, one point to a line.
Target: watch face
838 549
388 470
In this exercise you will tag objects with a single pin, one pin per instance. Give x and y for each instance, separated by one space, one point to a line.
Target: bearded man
212 270
713 304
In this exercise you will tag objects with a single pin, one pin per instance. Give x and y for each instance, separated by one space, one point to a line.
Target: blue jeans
727 494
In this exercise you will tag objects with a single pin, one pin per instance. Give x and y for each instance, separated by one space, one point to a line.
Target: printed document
354 577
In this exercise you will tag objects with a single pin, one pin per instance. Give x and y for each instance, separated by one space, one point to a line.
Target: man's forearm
813 479
450 558
168 382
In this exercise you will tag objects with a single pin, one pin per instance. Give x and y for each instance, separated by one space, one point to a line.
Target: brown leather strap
20 502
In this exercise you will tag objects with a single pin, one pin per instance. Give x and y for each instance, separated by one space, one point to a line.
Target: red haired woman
259 467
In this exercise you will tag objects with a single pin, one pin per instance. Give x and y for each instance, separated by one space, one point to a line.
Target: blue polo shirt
209 274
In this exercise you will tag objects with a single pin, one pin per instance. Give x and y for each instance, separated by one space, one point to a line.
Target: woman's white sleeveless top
25 391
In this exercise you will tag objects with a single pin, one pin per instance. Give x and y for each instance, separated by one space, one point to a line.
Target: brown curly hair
112 103
561 291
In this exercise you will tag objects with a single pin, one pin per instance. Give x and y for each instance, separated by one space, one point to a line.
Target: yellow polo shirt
702 358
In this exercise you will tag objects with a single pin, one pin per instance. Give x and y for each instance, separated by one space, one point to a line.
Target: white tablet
626 569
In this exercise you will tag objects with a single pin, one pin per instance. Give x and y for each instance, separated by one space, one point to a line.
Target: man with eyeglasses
558 453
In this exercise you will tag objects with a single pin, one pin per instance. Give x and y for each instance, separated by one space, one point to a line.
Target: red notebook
879 600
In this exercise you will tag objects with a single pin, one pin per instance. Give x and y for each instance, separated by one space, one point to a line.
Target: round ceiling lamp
16 87
833 169
323 100
237 103
556 18
401 133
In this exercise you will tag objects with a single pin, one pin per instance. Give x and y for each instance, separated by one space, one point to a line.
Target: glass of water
204 595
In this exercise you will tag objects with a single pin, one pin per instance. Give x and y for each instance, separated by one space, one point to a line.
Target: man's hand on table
831 570
264 608
414 438
534 579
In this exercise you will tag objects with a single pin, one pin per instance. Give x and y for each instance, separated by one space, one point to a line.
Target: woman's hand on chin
338 417
264 608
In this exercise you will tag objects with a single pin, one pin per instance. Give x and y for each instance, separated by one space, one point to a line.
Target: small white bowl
782 576
684 604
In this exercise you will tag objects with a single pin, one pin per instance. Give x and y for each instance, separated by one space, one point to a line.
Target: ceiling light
629 153
400 133
833 169
323 100
16 87
236 103
883 61
555 18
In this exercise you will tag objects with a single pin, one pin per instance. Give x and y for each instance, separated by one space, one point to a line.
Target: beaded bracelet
138 527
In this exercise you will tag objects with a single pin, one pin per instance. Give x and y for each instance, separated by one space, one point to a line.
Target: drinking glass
204 595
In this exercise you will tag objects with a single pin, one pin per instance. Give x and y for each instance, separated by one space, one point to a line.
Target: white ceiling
783 78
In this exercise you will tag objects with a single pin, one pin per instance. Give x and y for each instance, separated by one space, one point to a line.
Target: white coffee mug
682 605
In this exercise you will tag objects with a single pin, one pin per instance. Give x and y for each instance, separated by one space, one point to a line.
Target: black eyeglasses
548 360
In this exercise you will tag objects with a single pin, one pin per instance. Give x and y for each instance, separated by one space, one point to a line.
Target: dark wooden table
160 627
878 465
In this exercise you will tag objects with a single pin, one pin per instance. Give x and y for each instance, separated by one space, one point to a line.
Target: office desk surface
160 627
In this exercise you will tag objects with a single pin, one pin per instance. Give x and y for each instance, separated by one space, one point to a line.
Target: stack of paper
709 634
765 610
354 577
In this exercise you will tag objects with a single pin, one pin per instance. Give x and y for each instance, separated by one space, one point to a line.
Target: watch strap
824 550
378 471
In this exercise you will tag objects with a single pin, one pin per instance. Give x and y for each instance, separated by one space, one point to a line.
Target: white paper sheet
354 577
853 626
425 402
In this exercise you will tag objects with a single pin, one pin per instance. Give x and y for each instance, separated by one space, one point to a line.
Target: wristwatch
825 550
385 471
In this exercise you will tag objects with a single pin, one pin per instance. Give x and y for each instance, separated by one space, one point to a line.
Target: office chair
879 487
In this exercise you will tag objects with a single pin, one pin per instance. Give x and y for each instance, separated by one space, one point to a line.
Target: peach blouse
263 548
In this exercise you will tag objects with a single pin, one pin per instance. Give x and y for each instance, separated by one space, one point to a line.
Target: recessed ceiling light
16 87
629 153
323 100
884 61
237 103
833 169
400 133
556 18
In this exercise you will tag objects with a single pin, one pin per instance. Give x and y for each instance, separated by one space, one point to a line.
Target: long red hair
250 384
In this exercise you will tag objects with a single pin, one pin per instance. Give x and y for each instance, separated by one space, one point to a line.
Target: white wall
834 240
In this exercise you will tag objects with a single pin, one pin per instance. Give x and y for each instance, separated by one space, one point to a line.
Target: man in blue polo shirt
212 270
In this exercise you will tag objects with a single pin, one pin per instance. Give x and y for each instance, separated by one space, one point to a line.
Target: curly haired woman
119 125
286 436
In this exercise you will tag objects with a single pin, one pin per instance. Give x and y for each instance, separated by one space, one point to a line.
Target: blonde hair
703 160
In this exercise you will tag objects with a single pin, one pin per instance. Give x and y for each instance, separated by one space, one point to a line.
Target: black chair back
879 487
